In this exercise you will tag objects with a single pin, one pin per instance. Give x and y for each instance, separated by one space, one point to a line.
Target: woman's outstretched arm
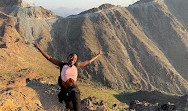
54 61
82 64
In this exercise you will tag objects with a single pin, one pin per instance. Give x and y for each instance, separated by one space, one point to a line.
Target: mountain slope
165 30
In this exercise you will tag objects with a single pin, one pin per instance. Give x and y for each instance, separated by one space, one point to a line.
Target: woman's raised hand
100 52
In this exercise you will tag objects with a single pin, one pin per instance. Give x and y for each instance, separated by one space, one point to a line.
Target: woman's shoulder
63 63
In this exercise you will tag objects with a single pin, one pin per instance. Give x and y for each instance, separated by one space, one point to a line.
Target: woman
68 77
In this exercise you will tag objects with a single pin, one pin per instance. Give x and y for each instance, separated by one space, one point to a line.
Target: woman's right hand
100 52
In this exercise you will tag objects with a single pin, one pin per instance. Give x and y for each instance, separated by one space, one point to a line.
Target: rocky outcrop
145 106
153 101
93 104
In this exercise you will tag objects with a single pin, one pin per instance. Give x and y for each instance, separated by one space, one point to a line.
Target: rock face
144 45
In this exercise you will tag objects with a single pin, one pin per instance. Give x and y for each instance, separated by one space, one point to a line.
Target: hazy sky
84 4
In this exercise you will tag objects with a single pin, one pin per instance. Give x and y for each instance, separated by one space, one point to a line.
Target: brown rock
7 106
23 98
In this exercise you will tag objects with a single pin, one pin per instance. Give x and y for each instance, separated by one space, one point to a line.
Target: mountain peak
106 6
102 7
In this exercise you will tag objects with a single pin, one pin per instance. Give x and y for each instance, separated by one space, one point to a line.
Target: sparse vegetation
101 93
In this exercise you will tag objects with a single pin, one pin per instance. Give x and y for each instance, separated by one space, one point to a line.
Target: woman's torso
69 72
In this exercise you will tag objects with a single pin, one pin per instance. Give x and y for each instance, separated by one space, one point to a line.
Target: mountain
143 49
132 59
64 12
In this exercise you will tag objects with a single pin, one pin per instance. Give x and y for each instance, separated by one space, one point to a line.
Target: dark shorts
71 97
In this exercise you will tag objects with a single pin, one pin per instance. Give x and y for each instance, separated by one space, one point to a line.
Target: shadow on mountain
47 94
151 97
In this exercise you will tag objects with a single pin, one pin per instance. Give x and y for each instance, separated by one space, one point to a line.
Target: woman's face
72 59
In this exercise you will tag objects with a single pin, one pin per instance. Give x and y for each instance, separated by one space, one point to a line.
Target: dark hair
71 54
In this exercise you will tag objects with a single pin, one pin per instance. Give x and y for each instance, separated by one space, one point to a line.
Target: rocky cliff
144 45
